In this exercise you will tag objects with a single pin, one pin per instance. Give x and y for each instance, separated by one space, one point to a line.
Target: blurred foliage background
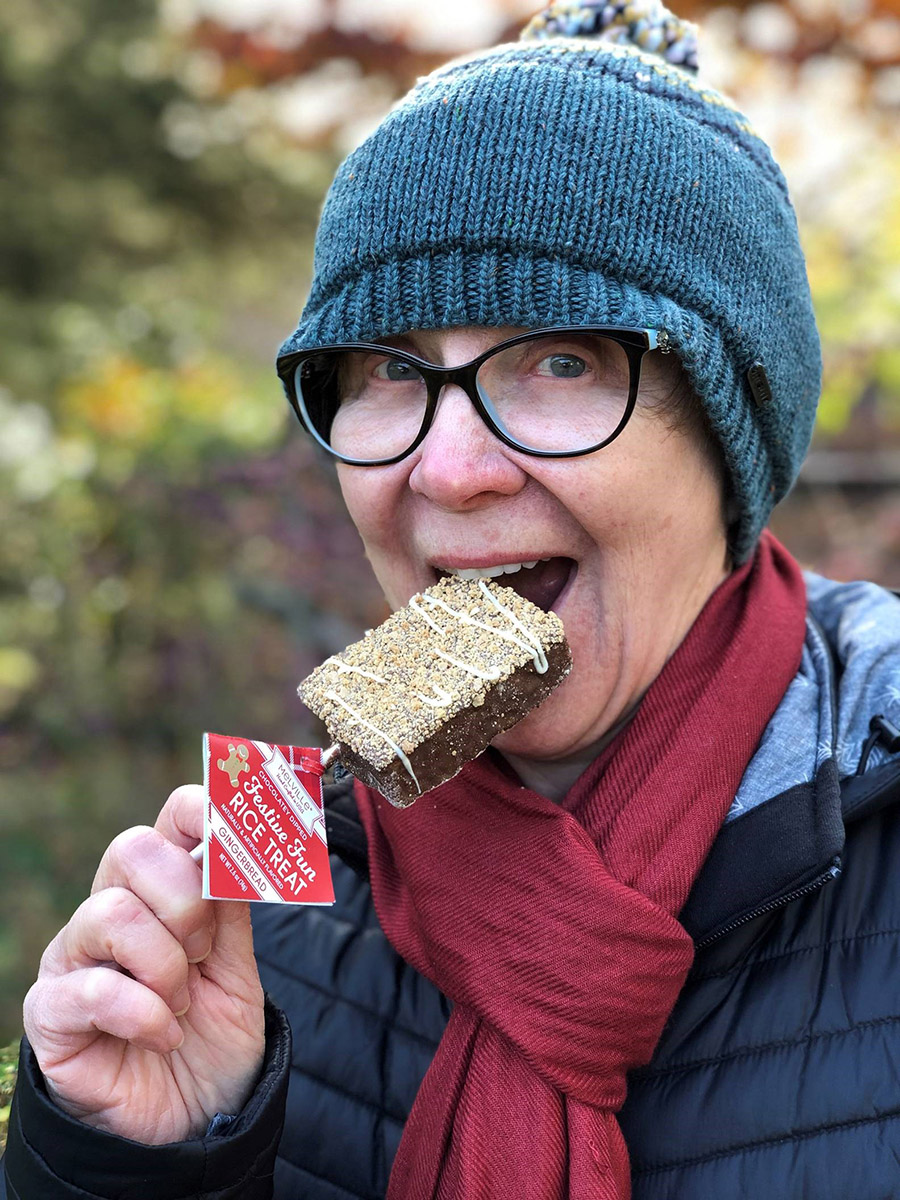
174 556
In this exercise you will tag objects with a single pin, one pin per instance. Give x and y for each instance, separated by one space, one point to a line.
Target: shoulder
860 622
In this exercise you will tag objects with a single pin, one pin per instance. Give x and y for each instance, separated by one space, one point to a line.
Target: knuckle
186 793
96 989
127 853
185 912
136 939
32 1006
45 1014
134 841
115 908
182 812
52 953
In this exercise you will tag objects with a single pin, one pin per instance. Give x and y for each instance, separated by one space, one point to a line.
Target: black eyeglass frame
635 342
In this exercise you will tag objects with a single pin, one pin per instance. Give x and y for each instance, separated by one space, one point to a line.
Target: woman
662 907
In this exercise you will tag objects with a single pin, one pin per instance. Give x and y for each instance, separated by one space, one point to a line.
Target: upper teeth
492 572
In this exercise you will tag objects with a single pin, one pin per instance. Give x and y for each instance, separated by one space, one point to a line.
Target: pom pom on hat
642 23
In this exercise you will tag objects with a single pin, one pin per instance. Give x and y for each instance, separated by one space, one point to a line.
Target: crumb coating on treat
427 662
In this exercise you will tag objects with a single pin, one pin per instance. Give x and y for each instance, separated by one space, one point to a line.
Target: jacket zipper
832 873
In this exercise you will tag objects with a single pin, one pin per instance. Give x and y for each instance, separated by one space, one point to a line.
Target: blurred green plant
165 530
855 279
116 232
9 1056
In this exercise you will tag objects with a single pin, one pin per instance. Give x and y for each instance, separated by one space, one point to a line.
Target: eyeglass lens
561 392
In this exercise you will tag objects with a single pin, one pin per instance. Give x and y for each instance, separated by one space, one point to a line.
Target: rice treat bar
428 690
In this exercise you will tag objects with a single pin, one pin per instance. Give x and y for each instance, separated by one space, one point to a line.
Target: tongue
541 584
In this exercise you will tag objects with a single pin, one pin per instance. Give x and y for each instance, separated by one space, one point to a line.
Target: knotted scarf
553 927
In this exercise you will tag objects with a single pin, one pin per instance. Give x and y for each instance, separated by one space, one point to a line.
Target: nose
461 465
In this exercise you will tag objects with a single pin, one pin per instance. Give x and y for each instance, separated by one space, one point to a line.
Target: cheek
613 501
373 500
676 493
370 499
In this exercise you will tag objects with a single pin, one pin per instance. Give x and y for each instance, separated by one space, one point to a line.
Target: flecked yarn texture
572 181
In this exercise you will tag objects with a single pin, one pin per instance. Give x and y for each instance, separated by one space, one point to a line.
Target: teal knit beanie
579 177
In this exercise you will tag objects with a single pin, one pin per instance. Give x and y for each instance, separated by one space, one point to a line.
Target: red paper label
264 830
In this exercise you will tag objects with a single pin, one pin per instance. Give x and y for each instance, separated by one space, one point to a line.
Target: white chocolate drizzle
540 658
332 695
416 607
440 699
492 674
537 650
347 669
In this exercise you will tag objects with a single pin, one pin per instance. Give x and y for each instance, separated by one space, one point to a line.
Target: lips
542 584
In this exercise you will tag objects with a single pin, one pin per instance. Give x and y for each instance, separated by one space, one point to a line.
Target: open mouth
542 581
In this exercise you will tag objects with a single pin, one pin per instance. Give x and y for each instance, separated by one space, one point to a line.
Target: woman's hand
147 1014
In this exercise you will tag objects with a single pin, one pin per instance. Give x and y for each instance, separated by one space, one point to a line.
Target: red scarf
553 927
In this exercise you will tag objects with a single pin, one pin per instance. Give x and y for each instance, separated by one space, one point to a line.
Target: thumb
231 964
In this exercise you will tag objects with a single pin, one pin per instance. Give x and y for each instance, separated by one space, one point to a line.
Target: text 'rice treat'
429 689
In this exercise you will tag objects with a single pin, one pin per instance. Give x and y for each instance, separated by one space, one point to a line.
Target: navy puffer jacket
778 1074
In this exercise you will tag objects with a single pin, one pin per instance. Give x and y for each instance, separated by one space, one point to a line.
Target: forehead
452 346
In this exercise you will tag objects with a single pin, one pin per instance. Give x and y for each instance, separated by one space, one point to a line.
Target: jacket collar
784 834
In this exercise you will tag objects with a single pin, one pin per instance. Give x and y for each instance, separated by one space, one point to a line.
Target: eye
562 366
396 371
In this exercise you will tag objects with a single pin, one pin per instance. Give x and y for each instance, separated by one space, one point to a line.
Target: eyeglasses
553 393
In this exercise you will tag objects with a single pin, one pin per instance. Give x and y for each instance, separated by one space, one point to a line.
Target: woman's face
633 532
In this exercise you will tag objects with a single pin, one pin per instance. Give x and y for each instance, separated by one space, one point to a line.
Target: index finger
181 817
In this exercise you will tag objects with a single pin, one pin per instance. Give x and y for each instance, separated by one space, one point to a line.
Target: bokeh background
173 555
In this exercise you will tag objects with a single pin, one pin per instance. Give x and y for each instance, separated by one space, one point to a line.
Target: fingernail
177 1037
197 945
182 1002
